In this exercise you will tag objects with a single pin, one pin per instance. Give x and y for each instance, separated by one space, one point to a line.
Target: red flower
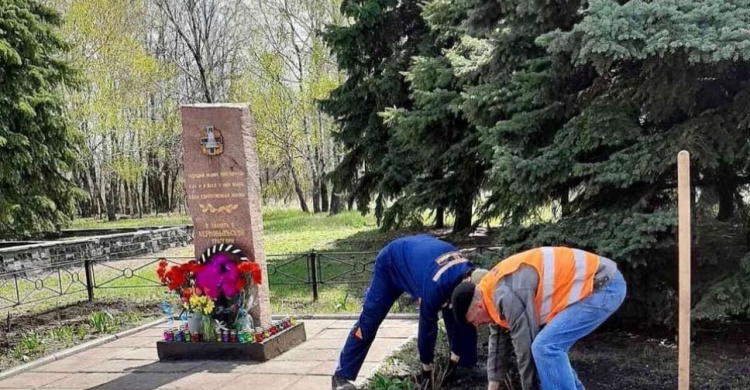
161 270
186 294
176 277
252 269
257 275
193 267
239 284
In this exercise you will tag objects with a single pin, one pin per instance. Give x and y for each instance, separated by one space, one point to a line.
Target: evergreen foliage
414 160
37 143
575 106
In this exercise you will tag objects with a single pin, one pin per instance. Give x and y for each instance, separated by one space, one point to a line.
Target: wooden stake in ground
684 239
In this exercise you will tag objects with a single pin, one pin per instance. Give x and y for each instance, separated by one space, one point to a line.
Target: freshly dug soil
610 360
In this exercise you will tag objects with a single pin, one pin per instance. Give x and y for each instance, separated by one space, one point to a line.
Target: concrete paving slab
133 342
257 381
31 380
101 354
224 367
117 366
342 324
312 328
327 369
131 363
83 380
170 367
306 355
71 364
340 334
382 348
202 380
395 332
140 381
141 354
311 382
323 344
283 367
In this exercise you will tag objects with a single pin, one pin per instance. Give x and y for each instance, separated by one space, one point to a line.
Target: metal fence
89 278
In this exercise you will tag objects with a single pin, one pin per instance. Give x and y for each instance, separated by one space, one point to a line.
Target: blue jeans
551 345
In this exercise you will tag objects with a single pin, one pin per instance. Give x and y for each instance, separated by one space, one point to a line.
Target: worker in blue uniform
428 269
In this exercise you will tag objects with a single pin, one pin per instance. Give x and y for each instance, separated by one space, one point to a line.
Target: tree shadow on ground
158 374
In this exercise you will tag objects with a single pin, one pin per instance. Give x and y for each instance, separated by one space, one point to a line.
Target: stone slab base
258 352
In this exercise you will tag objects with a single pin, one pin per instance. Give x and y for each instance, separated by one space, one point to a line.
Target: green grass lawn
284 231
346 240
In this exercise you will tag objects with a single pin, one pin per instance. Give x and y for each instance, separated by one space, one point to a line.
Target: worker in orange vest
539 303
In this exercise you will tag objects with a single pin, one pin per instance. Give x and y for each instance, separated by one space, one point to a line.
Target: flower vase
194 322
207 329
250 305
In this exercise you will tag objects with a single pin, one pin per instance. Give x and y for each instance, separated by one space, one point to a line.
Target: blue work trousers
380 297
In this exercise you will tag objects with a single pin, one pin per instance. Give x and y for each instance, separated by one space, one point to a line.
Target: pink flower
219 276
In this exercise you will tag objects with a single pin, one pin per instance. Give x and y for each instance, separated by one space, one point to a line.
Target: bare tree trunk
145 202
127 205
85 206
440 217
297 188
93 189
463 216
154 183
109 193
136 201
172 195
323 196
337 204
165 185
316 193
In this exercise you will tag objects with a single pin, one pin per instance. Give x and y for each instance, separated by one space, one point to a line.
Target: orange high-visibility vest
566 276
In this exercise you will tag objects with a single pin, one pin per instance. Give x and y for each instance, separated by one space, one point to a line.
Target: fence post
18 292
313 257
89 266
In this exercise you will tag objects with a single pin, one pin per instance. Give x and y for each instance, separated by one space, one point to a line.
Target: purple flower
219 276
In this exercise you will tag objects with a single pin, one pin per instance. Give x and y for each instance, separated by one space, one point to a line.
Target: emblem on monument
212 143
209 208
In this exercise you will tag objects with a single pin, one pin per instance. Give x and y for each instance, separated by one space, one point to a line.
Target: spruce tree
585 106
373 50
435 131
37 142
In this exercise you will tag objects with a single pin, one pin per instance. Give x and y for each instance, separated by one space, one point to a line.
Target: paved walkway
131 363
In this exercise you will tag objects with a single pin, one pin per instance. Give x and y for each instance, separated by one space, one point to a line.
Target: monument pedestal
258 352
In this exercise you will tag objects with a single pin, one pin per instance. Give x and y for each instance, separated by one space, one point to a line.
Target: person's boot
339 383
